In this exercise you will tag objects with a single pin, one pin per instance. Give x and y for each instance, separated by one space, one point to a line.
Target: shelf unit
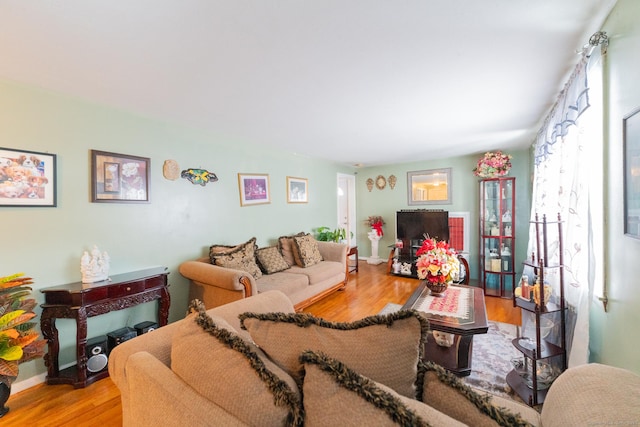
543 353
497 236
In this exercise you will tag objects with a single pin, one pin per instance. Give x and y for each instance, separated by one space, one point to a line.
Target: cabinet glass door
497 236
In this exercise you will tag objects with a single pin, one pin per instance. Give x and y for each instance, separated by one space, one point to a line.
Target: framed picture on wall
27 178
119 178
631 137
429 187
254 189
297 190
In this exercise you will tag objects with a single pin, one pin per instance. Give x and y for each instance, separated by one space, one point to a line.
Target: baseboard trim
19 386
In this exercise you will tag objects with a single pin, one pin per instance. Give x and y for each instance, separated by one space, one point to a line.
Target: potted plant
19 340
325 234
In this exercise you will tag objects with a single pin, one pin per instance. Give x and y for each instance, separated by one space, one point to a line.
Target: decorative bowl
437 289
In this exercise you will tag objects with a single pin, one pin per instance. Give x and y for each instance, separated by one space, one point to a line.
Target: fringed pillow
285 245
386 348
448 394
209 356
239 257
334 394
306 252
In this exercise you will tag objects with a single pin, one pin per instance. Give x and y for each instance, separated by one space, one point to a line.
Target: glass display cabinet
497 236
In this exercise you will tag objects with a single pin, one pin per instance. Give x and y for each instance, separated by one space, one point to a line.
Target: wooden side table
353 250
82 300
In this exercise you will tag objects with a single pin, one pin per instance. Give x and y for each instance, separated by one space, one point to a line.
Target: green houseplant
325 234
19 341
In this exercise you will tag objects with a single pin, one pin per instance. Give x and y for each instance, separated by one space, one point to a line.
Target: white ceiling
364 82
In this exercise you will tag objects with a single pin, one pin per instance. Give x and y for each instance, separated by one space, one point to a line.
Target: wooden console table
82 300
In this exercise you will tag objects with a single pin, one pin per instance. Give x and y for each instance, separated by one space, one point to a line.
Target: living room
182 220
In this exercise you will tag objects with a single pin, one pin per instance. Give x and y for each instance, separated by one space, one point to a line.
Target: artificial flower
493 165
437 262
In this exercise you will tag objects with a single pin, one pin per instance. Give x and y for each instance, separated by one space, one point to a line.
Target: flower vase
437 289
5 392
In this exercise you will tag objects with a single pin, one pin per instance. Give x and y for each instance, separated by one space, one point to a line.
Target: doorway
347 206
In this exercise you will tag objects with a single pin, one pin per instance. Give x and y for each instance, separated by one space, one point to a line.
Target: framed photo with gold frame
119 178
297 190
254 189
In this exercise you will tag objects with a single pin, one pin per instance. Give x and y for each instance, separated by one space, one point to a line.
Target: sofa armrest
332 251
158 397
206 274
593 394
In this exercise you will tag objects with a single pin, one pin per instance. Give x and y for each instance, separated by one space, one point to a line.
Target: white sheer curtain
567 181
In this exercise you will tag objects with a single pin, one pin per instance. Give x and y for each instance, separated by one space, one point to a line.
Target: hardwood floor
367 292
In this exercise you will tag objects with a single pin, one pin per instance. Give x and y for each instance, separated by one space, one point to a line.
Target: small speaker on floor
144 327
96 351
119 336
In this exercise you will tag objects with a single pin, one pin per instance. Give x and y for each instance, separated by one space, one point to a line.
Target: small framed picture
297 190
631 136
254 189
27 178
119 178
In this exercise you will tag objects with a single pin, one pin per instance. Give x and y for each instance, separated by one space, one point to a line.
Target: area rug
491 359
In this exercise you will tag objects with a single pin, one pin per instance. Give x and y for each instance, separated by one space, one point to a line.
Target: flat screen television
412 225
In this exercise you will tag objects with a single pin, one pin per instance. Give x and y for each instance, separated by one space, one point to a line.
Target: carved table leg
163 306
81 344
50 333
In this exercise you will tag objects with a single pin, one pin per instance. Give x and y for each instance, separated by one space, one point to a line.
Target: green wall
182 220
465 198
613 334
179 224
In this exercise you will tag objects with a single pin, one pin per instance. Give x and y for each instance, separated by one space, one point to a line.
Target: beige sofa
218 285
180 375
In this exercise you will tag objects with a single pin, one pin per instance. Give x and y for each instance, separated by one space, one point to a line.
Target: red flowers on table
437 262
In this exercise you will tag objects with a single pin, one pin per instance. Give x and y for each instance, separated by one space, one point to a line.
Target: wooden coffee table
457 357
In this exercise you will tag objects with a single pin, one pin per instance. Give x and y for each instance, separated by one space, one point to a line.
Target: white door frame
347 205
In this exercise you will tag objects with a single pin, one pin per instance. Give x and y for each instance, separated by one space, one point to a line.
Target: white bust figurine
94 267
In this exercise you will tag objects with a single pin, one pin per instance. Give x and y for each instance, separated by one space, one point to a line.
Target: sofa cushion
448 394
271 260
386 348
284 282
239 257
206 352
285 245
334 394
319 272
306 251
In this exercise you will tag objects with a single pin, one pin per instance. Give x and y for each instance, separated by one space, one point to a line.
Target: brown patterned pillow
239 257
285 244
271 260
306 251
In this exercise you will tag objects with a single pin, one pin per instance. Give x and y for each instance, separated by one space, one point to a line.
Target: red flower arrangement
437 262
376 222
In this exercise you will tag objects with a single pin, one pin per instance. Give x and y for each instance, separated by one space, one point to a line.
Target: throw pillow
386 348
271 260
306 251
334 394
285 245
208 355
448 394
239 257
